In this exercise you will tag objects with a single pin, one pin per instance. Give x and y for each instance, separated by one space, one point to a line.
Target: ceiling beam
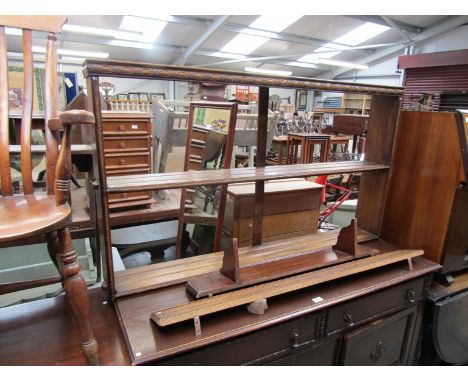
214 26
238 28
268 59
444 26
378 20
396 28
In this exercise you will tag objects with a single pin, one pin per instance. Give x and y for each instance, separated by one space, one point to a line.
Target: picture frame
157 96
122 97
134 96
301 99
144 97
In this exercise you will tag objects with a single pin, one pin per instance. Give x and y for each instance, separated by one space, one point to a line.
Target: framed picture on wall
134 96
144 97
301 99
157 96
122 97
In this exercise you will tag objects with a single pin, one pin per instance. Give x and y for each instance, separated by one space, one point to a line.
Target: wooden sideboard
127 143
294 330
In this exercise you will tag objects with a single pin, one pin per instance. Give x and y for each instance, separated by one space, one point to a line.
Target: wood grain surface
424 176
156 276
163 181
244 296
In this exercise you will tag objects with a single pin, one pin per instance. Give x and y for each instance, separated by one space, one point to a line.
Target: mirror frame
228 149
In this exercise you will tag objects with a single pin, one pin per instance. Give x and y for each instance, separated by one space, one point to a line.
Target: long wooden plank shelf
147 182
156 276
240 297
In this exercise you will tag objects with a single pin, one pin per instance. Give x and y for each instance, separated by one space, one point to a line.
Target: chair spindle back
50 104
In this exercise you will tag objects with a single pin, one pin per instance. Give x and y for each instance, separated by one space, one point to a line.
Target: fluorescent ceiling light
274 23
74 53
302 64
244 44
228 55
132 36
13 31
268 71
362 33
343 64
131 44
353 38
149 28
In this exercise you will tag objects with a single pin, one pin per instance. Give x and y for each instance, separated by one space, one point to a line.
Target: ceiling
195 38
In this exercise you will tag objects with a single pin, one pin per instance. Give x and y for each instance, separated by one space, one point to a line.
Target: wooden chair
30 214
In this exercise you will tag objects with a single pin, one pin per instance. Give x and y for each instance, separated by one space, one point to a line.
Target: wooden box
291 208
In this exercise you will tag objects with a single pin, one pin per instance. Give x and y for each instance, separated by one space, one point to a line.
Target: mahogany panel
379 147
424 176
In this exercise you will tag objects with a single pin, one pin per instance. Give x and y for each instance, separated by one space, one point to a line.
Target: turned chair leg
76 293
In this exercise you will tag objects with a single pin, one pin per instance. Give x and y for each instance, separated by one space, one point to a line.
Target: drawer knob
410 295
377 351
294 336
121 127
122 145
125 195
348 318
122 161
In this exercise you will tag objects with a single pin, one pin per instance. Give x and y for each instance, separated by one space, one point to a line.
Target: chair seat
30 215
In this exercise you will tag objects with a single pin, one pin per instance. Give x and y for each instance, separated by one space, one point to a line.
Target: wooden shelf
163 181
156 276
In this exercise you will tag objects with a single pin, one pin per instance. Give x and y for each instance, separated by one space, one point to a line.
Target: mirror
209 146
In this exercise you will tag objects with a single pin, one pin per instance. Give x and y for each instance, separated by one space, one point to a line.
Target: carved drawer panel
255 348
126 128
123 144
382 343
349 314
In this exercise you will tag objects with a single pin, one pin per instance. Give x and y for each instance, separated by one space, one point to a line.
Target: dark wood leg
53 247
77 294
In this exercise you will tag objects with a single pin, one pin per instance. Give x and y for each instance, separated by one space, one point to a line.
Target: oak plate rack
373 189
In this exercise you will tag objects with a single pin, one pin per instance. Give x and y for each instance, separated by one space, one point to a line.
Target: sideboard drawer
126 127
382 343
251 347
121 144
125 160
351 313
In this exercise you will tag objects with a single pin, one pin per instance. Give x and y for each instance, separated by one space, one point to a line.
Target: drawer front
128 171
128 196
382 343
280 224
349 314
116 161
279 203
123 144
321 355
251 347
126 127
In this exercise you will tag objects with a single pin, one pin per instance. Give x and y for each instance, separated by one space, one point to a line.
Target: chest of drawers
127 151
